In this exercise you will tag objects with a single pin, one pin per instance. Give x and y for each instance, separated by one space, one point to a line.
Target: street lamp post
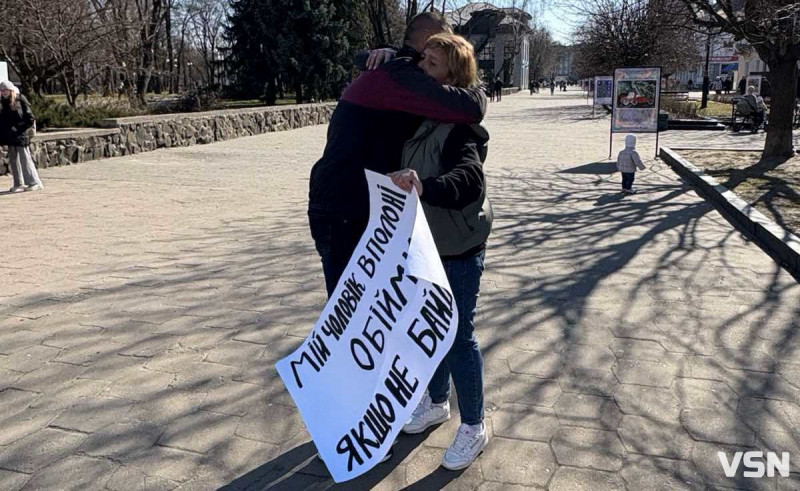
706 81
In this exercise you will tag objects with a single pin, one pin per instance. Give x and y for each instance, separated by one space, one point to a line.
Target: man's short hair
429 21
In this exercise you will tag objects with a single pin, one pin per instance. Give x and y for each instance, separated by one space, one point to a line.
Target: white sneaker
426 415
17 189
469 443
34 187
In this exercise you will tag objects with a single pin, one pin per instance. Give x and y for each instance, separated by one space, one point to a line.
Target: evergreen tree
306 44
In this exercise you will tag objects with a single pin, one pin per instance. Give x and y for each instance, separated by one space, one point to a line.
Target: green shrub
680 109
53 114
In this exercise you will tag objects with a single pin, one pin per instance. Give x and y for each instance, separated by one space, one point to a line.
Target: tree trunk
170 54
783 81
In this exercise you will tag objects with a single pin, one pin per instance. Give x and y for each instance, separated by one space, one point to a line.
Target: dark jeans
464 361
627 179
335 240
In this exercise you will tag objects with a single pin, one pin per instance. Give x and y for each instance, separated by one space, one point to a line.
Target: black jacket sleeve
463 181
27 116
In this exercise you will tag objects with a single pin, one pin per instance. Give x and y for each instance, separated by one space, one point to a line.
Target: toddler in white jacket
628 161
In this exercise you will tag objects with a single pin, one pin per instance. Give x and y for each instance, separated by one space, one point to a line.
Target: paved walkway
145 300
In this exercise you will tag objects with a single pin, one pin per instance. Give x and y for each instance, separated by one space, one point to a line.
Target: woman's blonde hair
461 64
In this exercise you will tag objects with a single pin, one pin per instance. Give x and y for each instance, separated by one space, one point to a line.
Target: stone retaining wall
125 136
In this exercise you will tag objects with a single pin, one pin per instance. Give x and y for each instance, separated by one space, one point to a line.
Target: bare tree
771 28
634 33
207 21
47 40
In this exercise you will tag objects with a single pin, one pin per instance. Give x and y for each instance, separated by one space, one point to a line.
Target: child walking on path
628 161
16 121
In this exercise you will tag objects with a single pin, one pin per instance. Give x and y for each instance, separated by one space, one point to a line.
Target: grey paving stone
198 432
71 393
270 424
13 340
150 345
8 378
588 411
29 359
236 398
703 367
202 377
593 357
638 349
717 426
708 394
526 389
14 401
166 463
640 372
655 403
764 415
24 423
536 363
12 481
129 479
173 361
75 473
518 462
587 448
655 474
753 360
122 441
500 486
588 381
92 414
139 384
524 422
233 458
39 450
49 377
576 479
645 436
89 352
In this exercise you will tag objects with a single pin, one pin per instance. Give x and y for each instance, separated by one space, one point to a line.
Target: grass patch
691 109
772 186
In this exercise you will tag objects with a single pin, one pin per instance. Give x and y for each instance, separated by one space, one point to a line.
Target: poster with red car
636 93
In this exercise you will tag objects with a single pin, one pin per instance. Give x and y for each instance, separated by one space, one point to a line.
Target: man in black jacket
378 112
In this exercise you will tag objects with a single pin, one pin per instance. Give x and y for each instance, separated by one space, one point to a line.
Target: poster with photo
636 100
754 81
604 91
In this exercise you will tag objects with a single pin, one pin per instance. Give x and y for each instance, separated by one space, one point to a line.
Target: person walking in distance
16 128
498 88
552 87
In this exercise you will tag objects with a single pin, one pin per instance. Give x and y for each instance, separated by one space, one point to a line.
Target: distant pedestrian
552 87
742 86
16 129
717 86
628 161
690 85
531 86
498 89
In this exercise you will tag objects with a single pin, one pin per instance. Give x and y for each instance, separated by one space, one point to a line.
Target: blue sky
560 22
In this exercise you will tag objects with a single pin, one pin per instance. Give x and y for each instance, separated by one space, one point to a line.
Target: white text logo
754 460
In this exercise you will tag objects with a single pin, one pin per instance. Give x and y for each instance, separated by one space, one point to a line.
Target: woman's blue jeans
464 361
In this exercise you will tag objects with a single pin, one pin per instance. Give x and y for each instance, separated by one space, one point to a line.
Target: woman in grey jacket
16 124
445 164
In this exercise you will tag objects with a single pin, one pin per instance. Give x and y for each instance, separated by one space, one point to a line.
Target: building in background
564 68
501 40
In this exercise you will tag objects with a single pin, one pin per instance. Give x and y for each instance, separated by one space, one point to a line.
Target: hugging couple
415 117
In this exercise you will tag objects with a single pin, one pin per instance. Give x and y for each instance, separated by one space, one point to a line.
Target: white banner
366 364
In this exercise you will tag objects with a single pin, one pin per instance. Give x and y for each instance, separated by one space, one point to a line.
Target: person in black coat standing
16 128
498 88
